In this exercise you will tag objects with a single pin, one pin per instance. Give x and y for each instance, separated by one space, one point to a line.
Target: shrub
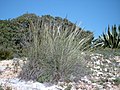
5 54
68 87
13 31
117 81
1 88
54 54
107 52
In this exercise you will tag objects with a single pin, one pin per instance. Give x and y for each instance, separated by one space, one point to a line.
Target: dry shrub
55 54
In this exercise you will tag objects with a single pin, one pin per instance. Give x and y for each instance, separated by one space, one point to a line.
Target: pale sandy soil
9 70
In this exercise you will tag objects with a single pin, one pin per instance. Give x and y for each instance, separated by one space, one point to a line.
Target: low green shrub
107 52
117 81
68 87
5 54
1 88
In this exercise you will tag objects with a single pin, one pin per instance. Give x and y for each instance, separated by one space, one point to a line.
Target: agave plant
110 40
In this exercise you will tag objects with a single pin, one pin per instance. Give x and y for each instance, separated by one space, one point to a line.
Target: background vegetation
14 33
54 46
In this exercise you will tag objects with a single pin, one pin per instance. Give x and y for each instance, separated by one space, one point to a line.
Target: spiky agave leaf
118 39
106 43
114 34
110 36
98 42
111 39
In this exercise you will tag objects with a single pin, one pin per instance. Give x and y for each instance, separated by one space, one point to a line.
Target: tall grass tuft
54 54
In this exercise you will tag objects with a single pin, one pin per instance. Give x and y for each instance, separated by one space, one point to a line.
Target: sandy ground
10 69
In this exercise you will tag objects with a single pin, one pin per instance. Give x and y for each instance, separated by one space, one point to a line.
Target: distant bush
107 52
5 54
1 88
117 81
5 88
55 54
14 31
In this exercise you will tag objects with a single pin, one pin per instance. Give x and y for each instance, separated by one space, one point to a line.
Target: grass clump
55 54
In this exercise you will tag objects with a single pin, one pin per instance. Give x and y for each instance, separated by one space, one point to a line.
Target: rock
104 72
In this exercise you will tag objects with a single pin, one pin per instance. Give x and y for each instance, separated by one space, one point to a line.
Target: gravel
105 72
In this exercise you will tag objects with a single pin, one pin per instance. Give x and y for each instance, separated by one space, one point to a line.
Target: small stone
105 69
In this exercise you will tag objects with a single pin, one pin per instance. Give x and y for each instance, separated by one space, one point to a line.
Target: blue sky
94 15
